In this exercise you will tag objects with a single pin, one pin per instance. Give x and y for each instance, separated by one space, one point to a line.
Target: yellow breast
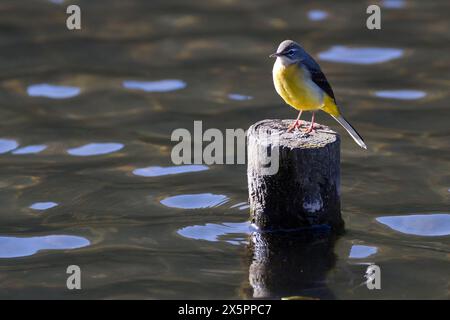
294 85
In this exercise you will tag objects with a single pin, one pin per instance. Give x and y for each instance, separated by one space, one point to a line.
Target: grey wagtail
302 85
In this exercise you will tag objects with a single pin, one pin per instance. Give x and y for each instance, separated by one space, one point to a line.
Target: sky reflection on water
52 91
401 94
30 149
352 55
13 247
317 15
155 86
241 206
43 205
393 4
162 171
7 145
419 224
239 97
360 251
237 232
195 201
95 149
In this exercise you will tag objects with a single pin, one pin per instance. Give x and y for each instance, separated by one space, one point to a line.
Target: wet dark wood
304 191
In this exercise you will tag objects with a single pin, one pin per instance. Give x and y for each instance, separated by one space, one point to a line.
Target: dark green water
94 106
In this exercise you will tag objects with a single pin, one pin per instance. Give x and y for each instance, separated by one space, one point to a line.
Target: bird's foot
312 128
295 125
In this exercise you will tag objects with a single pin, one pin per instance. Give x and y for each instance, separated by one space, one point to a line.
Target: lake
86 176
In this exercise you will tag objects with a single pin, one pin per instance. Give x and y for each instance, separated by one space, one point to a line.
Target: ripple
195 201
30 149
162 171
236 233
94 149
7 145
419 224
345 54
317 15
155 86
43 205
241 206
401 94
359 251
52 91
239 97
13 247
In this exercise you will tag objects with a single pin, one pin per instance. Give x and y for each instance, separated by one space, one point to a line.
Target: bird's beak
275 55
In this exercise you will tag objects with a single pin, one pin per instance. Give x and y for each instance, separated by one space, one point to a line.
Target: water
95 149
43 205
401 94
52 91
87 116
14 247
155 86
360 252
30 149
363 55
162 171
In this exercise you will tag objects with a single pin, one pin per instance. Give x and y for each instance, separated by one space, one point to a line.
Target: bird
298 79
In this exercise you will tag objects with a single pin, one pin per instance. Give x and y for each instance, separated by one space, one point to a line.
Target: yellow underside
297 89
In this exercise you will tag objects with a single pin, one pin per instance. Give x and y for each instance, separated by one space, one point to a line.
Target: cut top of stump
296 138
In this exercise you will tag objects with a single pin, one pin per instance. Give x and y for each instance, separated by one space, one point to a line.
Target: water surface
86 119
52 91
14 247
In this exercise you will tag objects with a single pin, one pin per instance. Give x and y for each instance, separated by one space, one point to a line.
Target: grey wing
318 77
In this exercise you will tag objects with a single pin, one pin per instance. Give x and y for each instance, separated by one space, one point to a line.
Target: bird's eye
290 52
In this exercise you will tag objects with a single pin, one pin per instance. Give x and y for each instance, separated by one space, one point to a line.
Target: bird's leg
311 127
296 124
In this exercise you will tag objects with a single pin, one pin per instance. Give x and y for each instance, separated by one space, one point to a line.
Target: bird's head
289 52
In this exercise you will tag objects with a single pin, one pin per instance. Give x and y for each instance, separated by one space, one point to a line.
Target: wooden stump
303 191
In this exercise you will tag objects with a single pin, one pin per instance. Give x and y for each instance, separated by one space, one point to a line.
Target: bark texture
304 191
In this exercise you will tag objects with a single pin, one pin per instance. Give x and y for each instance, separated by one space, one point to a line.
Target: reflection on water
231 232
95 149
7 145
393 4
52 91
163 171
195 201
30 149
241 206
360 251
419 224
291 264
317 15
12 247
43 205
345 54
401 94
155 86
239 97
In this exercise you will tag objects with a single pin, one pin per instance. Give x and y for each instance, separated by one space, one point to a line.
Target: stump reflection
290 264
